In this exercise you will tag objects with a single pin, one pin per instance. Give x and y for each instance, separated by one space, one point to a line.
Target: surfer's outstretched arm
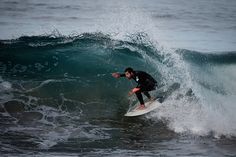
118 75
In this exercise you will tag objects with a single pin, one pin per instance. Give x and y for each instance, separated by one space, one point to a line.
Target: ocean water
58 98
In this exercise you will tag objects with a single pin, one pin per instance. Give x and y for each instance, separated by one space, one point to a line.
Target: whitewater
58 98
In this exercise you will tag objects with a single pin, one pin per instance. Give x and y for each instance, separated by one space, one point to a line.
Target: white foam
43 83
4 86
210 112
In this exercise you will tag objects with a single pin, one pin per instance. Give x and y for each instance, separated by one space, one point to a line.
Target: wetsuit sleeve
138 86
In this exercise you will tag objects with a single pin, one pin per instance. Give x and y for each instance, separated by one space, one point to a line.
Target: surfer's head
129 73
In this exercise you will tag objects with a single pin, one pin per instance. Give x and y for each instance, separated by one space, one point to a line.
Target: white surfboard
149 106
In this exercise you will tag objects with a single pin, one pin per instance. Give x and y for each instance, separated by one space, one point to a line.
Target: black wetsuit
145 82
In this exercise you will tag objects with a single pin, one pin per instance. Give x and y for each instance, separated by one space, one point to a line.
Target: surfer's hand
116 75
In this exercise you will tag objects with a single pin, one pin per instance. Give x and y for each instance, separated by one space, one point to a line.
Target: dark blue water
58 98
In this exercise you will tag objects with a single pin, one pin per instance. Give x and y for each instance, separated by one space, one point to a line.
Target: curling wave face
53 87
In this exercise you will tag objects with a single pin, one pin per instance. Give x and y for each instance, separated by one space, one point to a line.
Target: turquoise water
58 98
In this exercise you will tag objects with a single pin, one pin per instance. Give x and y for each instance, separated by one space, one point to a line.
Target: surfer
145 82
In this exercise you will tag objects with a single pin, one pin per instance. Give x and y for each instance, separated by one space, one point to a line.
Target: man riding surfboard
145 82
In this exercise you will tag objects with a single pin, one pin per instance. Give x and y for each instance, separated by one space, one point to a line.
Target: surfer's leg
140 97
147 94
146 89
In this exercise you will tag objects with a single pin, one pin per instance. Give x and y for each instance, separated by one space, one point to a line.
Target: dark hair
129 70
